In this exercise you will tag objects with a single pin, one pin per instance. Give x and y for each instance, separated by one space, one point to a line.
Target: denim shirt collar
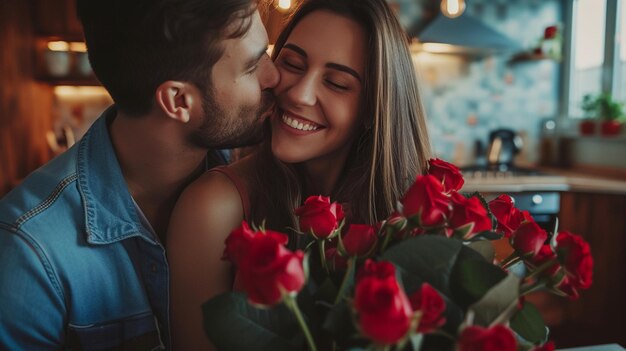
110 214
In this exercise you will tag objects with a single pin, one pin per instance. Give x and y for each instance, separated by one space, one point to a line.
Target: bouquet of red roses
424 279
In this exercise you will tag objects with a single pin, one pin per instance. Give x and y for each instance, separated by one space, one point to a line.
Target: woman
349 125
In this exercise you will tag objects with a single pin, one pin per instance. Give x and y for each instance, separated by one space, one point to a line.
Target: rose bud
397 222
426 201
360 240
448 174
384 311
319 216
509 218
528 239
469 216
269 268
431 304
237 243
496 338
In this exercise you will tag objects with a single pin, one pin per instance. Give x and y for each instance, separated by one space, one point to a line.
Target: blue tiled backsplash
465 98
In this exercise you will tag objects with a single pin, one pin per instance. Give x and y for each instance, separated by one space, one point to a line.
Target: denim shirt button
153 267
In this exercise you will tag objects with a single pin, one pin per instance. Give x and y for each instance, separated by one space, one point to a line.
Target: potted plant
608 110
611 112
589 106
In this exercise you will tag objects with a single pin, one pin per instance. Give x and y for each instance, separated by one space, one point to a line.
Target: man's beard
223 128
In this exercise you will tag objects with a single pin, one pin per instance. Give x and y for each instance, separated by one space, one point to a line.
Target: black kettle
504 144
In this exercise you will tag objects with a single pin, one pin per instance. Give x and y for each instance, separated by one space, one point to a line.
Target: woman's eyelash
338 86
291 65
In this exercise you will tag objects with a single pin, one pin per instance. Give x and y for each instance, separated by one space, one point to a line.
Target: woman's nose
303 90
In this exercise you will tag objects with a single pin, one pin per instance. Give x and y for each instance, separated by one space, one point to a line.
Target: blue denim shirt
78 270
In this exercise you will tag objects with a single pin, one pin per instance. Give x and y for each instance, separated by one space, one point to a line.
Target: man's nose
271 77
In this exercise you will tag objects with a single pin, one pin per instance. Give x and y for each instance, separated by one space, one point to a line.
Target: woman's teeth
297 124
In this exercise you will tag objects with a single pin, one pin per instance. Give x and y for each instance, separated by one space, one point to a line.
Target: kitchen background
526 70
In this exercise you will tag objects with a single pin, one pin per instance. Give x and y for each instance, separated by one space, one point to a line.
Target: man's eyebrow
253 61
331 65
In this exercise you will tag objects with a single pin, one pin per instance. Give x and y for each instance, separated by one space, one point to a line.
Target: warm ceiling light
58 46
78 46
284 4
452 8
79 91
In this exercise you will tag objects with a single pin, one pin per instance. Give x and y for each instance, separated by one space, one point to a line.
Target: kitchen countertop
546 181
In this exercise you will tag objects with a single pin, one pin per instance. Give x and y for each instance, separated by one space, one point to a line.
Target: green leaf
484 248
426 258
499 303
233 324
326 292
472 278
339 322
528 323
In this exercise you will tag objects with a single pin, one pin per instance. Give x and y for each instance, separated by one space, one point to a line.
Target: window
622 43
597 61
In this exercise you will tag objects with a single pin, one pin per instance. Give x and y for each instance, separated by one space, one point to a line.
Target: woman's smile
298 124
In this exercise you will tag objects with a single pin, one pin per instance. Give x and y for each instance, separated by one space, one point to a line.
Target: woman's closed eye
292 65
336 85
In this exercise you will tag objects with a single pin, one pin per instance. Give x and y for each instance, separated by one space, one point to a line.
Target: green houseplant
604 107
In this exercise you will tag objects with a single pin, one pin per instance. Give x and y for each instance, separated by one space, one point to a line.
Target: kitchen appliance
504 144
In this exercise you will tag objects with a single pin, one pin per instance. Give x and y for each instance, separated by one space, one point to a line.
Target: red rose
268 268
528 239
380 270
496 338
384 311
319 216
448 174
468 215
360 240
431 304
573 267
575 256
426 201
237 243
550 32
545 254
549 346
509 218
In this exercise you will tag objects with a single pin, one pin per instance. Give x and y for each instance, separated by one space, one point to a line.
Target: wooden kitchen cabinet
599 316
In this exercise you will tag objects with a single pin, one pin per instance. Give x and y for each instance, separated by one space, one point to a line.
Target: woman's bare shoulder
208 205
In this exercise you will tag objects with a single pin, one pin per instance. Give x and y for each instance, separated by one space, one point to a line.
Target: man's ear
176 99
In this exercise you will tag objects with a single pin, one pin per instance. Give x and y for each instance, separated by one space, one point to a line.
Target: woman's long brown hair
392 147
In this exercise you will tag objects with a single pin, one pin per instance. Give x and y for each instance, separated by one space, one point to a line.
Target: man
81 240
